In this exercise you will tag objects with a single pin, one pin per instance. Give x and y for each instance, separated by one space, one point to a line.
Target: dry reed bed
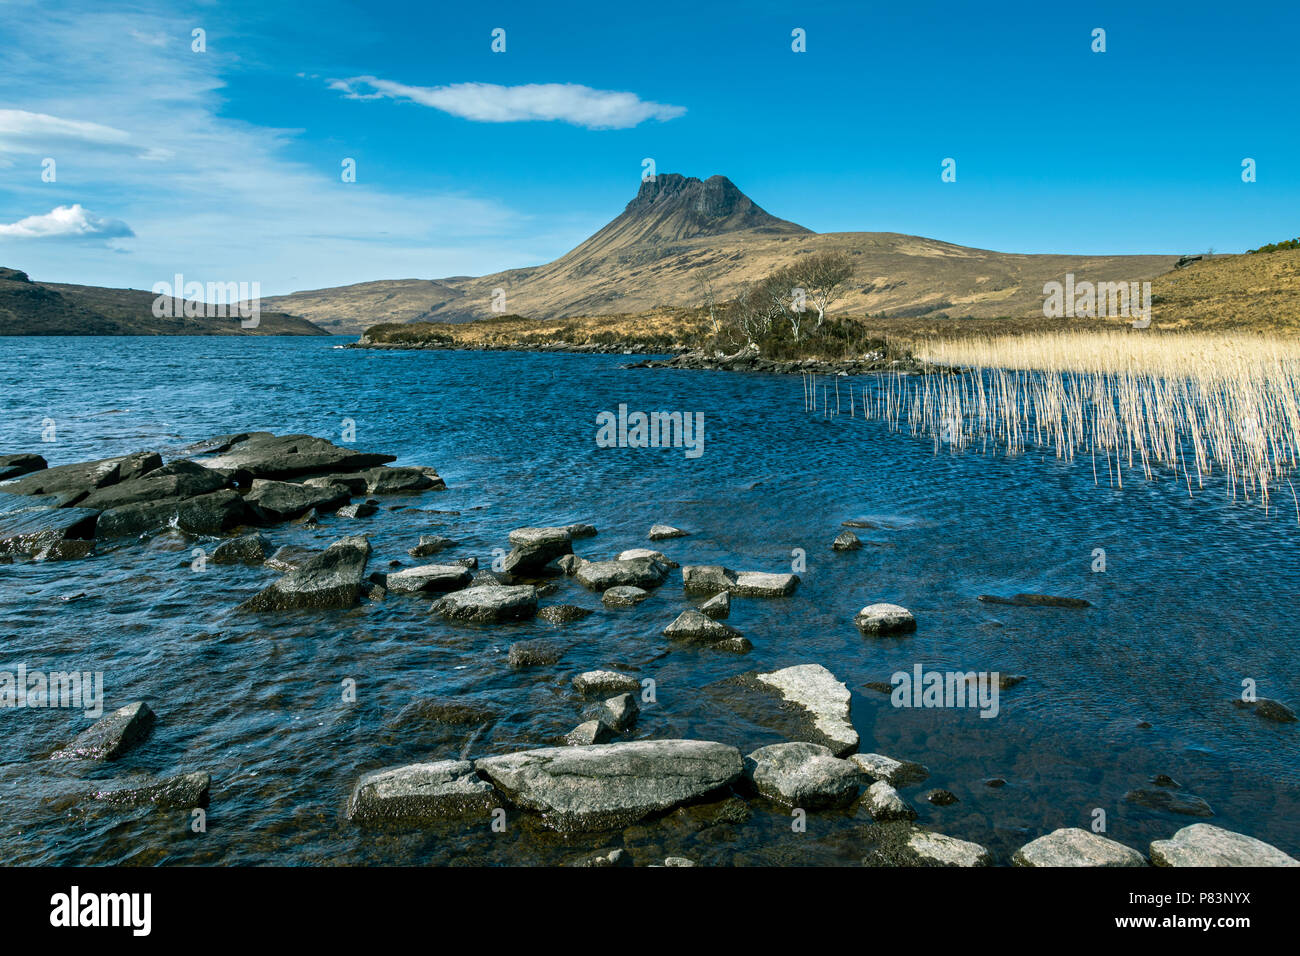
1190 406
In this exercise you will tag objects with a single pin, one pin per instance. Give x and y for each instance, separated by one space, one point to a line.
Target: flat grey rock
212 513
605 682
880 620
182 792
427 578
623 596
896 773
662 532
331 579
489 604
693 627
803 775
274 501
110 736
391 481
1202 844
825 700
763 584
589 732
937 849
534 548
1074 846
263 455
639 572
717 607
707 578
437 790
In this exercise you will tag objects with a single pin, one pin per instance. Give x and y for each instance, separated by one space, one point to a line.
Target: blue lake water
1198 594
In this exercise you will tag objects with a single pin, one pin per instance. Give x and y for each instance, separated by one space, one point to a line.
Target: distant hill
1259 291
48 308
678 230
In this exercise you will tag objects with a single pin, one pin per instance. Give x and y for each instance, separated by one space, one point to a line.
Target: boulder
662 532
941 798
1268 709
563 613
846 541
880 620
825 700
180 479
110 736
570 563
184 791
428 578
581 531
331 579
206 514
937 849
632 554
263 455
1074 846
290 557
589 732
274 501
12 466
531 549
694 628
717 607
1204 845
803 775
488 604
31 532
355 484
75 481
391 481
638 572
438 790
612 785
618 713
245 549
605 682
763 584
69 549
896 773
884 803
440 711
360 509
623 596
707 578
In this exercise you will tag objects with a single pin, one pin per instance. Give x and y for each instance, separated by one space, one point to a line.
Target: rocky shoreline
743 360
594 778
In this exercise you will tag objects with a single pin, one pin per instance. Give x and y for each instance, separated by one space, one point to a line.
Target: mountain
49 308
678 230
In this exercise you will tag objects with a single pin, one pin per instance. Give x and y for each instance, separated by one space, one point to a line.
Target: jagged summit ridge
672 206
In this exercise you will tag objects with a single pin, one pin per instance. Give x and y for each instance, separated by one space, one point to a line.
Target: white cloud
20 129
66 222
490 103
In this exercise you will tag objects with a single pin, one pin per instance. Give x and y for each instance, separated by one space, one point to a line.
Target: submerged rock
66 550
1035 600
803 775
612 785
30 532
1268 709
488 604
182 792
1202 844
245 549
638 572
937 849
879 620
1074 846
331 579
264 455
538 652
110 736
1170 802
825 699
430 544
424 791
563 613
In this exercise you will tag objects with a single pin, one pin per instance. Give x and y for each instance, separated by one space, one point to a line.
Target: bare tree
709 297
822 276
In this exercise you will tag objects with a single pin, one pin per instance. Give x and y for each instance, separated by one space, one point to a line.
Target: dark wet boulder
263 455
693 627
570 564
539 652
441 711
428 578
1268 709
206 514
563 613
846 541
1169 801
80 479
13 466
488 604
271 502
803 775
612 785
605 682
290 557
623 596
245 549
110 736
581 531
717 607
355 484
941 798
183 791
430 544
437 790
179 479
331 579
392 481
619 713
531 549
1035 600
360 509
707 578
639 572
33 531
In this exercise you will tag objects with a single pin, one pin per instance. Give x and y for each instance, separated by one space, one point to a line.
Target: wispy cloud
491 103
66 222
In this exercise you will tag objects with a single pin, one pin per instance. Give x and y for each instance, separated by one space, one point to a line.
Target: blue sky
225 165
